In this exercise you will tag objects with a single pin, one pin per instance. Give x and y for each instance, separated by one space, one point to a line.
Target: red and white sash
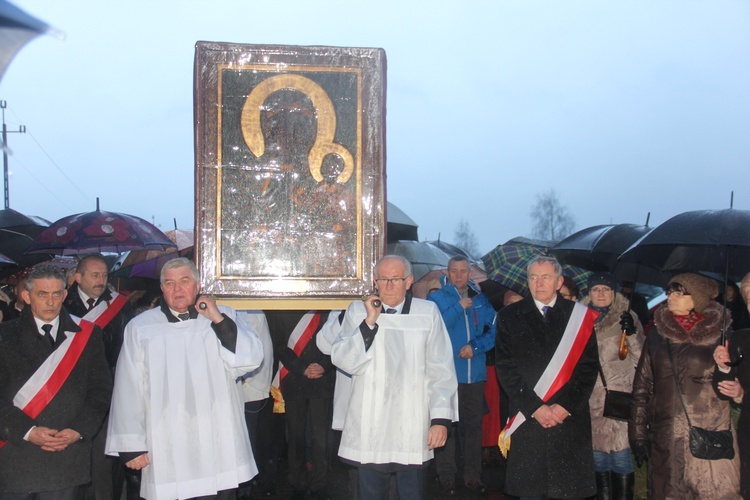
560 368
105 311
301 335
34 396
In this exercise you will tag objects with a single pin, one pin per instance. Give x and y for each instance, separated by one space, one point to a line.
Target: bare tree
552 221
465 238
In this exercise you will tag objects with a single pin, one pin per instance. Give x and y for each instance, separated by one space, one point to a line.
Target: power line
54 195
39 145
59 169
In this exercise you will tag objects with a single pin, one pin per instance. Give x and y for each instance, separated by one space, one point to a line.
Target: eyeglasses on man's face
389 281
676 293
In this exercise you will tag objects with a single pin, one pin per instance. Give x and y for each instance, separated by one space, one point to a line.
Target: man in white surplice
177 413
403 395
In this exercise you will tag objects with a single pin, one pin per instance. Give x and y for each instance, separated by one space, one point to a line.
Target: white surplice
403 381
176 397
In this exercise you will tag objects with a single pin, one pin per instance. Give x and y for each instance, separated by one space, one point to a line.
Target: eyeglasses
601 289
389 281
676 293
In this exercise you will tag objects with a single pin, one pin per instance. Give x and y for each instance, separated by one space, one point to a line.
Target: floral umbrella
97 232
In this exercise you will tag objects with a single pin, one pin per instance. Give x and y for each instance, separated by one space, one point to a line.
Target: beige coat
609 434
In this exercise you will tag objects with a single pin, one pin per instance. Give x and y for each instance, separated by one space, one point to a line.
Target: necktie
390 311
544 310
48 334
90 302
184 316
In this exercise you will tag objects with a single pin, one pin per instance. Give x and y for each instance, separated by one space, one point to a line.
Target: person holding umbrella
731 382
677 365
614 469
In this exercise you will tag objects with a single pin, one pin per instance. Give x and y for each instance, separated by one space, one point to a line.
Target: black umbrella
597 249
17 232
712 241
707 241
399 225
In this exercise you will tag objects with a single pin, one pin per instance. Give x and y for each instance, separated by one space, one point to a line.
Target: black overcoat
81 404
555 462
113 332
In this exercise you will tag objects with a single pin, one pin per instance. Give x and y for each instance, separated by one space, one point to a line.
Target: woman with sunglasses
678 359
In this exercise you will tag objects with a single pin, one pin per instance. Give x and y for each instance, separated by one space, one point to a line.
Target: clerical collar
539 305
55 323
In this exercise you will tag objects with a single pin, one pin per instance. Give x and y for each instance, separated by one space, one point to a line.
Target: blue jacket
474 326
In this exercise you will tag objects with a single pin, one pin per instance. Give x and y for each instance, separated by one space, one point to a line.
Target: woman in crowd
614 468
686 331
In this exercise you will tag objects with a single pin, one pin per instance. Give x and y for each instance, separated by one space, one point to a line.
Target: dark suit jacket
555 462
296 385
113 332
81 404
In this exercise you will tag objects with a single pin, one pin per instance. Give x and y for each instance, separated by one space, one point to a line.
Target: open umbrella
507 263
713 241
422 256
707 241
455 250
421 287
597 249
16 29
97 232
148 263
399 225
17 232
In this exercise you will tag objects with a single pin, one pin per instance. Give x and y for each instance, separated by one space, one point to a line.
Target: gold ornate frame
276 230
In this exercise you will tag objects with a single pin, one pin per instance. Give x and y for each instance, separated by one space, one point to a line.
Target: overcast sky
623 107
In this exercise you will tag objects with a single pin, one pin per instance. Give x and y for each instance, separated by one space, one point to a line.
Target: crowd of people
106 394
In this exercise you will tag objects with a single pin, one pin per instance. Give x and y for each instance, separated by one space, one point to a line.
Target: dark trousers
375 485
259 430
66 494
469 434
316 413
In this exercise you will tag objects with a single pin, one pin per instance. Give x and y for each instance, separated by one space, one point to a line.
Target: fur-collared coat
608 434
658 417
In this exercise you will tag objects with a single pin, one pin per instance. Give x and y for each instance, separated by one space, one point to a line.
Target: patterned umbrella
97 232
148 263
507 264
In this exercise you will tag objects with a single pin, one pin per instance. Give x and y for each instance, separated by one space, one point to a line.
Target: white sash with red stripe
560 368
301 335
105 311
34 396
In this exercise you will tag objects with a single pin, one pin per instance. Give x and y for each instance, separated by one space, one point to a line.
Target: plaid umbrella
507 264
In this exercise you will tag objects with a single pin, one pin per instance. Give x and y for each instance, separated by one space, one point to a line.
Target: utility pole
21 130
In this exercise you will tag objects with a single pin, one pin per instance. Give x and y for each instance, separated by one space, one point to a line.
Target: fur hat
702 289
605 279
